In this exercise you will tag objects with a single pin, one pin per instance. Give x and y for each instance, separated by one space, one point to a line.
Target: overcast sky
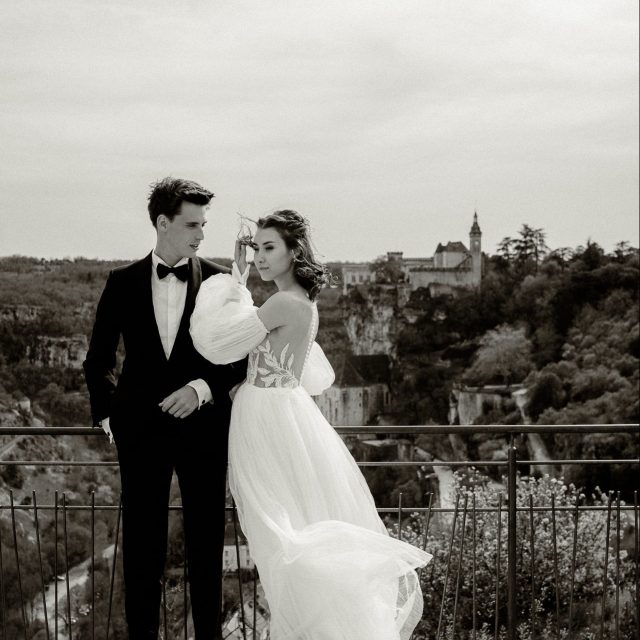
386 123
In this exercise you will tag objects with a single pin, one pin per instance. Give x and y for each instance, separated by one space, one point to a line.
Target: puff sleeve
225 325
318 374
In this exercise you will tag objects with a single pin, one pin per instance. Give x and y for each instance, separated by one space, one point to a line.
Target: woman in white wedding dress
328 566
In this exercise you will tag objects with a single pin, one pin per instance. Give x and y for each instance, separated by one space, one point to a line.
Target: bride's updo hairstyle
294 230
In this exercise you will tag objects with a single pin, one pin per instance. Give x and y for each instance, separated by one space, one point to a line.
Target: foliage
526 250
387 271
505 354
590 538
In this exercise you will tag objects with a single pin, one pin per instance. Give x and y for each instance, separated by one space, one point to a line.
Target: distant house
360 391
452 266
355 273
230 557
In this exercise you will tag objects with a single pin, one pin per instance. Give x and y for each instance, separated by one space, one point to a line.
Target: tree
531 244
504 353
506 248
529 248
387 271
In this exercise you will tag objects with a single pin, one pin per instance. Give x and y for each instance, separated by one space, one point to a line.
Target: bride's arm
224 324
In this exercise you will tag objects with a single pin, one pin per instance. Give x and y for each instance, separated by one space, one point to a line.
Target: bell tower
475 243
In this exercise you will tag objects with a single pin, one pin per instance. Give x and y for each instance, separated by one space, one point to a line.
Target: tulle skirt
329 568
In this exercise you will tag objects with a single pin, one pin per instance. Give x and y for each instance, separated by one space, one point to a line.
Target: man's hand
181 403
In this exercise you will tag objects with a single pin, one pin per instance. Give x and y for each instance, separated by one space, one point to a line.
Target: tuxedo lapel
146 296
193 286
195 279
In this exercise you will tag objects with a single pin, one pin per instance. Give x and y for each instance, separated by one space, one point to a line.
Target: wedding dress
329 568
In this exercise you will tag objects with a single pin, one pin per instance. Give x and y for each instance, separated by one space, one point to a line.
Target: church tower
475 242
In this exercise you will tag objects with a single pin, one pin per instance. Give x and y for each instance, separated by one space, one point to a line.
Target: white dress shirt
169 296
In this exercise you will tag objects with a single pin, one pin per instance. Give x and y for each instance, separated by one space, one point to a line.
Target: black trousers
148 454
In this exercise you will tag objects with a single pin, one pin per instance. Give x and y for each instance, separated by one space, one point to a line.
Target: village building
451 267
360 391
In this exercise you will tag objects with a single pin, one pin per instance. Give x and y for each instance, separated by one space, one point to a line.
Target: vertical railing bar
498 554
2 592
473 592
606 562
446 573
19 576
573 565
637 550
459 572
255 601
66 559
185 577
426 534
555 563
235 534
93 565
400 516
36 523
113 566
533 582
55 567
165 624
618 566
511 542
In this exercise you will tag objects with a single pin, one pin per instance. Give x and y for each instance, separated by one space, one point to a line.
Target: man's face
181 237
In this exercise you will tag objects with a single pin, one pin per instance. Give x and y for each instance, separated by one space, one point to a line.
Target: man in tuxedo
169 410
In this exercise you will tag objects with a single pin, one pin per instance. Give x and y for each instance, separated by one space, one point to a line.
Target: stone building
360 391
452 266
354 273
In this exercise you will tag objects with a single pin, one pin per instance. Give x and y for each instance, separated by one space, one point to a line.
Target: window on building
360 278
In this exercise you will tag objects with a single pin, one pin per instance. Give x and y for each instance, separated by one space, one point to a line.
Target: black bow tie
181 272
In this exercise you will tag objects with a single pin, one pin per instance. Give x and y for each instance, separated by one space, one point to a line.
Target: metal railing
421 519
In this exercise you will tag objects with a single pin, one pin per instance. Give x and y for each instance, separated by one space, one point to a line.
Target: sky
386 123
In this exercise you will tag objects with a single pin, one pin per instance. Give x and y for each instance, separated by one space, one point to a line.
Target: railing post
512 621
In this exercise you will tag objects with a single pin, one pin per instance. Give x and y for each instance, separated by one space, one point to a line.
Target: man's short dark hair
167 195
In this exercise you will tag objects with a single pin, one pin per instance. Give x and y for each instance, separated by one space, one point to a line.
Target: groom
168 411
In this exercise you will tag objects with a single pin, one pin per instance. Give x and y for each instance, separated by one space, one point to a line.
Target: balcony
519 557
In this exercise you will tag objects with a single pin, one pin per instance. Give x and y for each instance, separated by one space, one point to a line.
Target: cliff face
371 320
66 352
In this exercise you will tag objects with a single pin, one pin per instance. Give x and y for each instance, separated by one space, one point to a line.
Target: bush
591 545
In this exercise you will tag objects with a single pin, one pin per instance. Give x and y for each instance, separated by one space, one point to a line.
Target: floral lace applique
274 373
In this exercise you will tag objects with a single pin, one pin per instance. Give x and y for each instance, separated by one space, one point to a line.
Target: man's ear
162 222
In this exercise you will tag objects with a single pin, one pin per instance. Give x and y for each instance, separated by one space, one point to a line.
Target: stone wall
353 406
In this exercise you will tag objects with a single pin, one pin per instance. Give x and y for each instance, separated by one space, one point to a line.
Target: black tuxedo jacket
126 309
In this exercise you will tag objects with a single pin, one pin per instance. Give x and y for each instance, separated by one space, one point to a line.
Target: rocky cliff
66 352
371 319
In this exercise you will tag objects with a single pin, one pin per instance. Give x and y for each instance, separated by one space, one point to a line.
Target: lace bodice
268 369
225 327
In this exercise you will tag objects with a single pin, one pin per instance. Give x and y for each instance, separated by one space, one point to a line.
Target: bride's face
272 257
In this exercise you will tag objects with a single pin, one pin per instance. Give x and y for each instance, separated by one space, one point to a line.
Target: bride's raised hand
240 254
243 240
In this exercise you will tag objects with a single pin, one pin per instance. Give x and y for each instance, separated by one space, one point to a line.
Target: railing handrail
390 430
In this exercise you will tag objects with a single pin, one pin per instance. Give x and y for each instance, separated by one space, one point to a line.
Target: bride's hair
294 229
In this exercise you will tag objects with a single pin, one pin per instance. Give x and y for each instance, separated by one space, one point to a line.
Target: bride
328 566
